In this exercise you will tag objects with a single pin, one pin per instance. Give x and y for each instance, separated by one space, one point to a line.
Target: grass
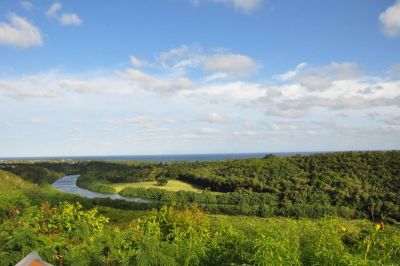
172 185
121 218
248 224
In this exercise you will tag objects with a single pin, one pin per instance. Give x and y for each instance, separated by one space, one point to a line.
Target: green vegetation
161 181
69 234
347 184
34 173
171 185
183 229
102 188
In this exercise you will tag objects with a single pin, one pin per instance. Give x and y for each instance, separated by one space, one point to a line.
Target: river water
67 184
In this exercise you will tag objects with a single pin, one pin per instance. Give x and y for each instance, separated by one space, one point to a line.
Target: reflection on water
68 184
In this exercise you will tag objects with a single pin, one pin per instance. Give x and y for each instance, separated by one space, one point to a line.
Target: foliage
34 173
102 188
66 229
162 181
348 184
68 233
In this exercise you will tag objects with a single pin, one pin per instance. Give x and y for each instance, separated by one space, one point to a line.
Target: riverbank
68 184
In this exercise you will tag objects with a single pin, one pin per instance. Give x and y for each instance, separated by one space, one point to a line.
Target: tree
162 181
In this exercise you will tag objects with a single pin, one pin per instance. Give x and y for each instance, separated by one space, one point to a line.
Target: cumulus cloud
314 82
65 18
321 77
83 86
180 59
339 71
291 73
262 113
231 65
252 110
153 83
334 98
70 19
246 6
390 20
170 71
20 33
331 71
179 62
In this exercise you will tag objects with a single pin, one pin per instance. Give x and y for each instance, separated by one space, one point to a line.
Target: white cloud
144 121
246 6
22 89
136 62
65 19
208 131
152 83
126 110
321 77
53 10
341 95
231 65
83 86
314 82
215 118
27 5
291 73
70 19
149 123
20 33
181 61
339 71
39 120
282 112
390 20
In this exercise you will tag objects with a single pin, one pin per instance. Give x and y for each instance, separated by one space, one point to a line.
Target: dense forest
347 184
67 230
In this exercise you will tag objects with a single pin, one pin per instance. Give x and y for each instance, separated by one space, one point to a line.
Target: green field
172 185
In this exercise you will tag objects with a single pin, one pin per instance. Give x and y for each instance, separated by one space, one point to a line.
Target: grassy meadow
172 185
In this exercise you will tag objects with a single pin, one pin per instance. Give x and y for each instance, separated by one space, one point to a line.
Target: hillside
322 197
347 184
69 234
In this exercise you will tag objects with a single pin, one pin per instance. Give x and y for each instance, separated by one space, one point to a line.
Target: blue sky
198 76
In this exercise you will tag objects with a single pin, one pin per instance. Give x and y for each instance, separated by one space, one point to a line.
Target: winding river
67 184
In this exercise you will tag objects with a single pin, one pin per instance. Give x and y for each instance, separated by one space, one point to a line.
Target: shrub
162 181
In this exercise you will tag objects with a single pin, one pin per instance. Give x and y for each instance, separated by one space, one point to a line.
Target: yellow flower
378 227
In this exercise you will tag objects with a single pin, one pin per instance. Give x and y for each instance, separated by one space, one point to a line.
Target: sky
198 76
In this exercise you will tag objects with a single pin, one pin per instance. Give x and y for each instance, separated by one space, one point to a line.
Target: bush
162 181
103 188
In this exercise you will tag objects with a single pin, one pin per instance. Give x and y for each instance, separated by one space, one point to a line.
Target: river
67 184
